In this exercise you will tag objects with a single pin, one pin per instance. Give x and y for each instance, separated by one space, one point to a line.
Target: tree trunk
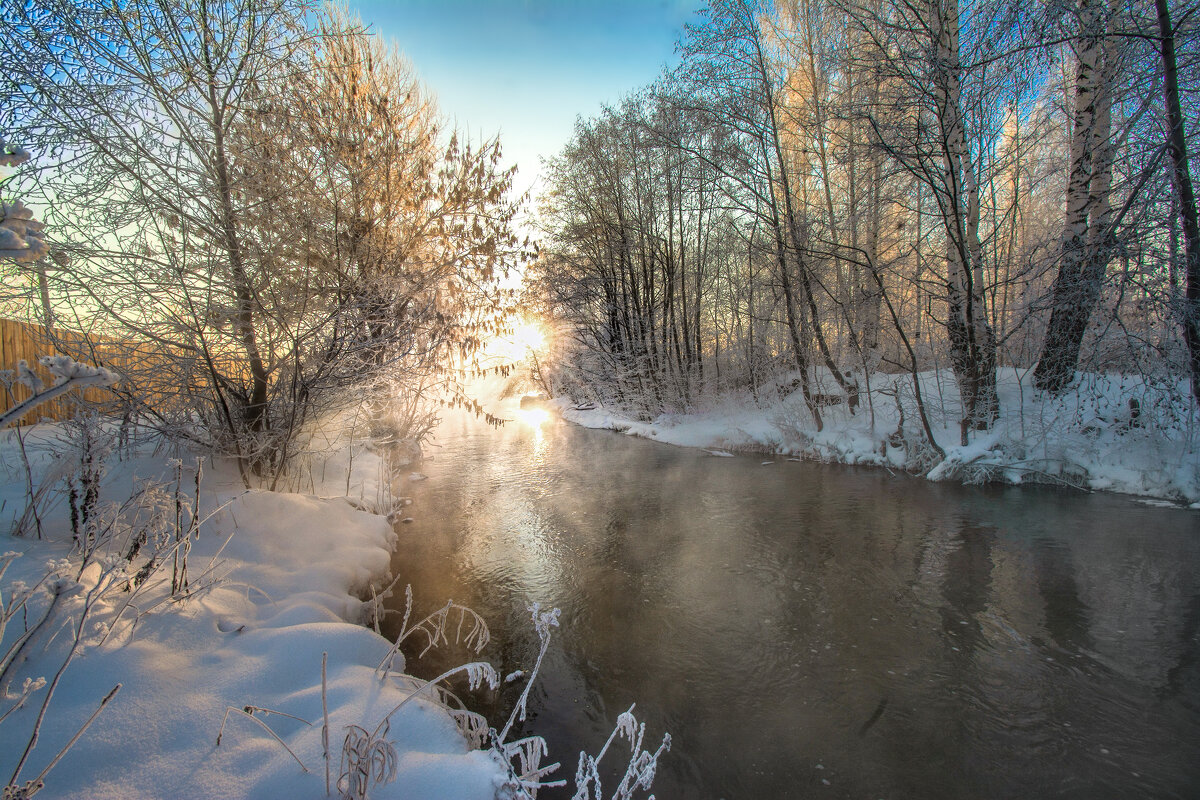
1084 249
1177 147
972 342
255 412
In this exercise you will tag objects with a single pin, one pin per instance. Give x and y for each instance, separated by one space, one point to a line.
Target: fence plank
20 340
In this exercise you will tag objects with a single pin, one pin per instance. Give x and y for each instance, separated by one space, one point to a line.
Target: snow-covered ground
275 580
274 586
1091 437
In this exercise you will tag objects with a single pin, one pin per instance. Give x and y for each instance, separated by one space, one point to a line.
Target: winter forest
311 481
834 190
257 208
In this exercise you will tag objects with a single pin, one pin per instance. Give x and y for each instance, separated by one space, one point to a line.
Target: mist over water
805 630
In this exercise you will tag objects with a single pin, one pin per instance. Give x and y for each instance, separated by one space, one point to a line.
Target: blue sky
527 68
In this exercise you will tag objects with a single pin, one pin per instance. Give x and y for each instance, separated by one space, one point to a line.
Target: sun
527 336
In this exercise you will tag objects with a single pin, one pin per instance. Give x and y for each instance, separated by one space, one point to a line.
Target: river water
805 630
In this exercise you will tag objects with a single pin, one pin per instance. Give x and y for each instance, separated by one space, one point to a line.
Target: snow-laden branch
68 374
20 234
12 156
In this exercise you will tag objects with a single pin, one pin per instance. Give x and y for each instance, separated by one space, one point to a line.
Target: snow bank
1111 433
274 582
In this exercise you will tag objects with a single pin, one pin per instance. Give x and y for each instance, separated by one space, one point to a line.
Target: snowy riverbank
1090 438
273 584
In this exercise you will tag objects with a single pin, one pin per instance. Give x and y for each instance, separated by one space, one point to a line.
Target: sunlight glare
527 336
533 417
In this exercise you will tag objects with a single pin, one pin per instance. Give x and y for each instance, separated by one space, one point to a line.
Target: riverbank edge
292 567
1146 462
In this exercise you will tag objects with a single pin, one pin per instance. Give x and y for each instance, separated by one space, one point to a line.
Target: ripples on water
805 630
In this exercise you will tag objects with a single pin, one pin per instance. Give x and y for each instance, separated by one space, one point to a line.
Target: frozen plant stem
14 650
29 490
477 672
111 694
434 628
542 622
89 601
325 716
248 711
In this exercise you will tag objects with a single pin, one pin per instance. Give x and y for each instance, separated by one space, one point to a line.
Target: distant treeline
836 188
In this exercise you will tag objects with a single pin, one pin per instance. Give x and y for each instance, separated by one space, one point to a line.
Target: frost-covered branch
477 672
68 374
639 773
433 626
543 621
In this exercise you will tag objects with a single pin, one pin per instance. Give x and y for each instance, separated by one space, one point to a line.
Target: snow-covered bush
68 375
338 244
123 561
21 236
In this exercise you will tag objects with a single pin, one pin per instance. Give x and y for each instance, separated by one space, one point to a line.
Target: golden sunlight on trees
526 336
261 206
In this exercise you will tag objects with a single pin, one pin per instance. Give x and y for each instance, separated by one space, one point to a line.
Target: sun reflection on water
534 419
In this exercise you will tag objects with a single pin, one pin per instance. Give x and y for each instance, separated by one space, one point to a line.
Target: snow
1090 438
277 576
275 579
20 234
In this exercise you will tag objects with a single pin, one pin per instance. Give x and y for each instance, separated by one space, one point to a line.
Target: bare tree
1085 249
1186 198
858 161
140 109
263 210
921 122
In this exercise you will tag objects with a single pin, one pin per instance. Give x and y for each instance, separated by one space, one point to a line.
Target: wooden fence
20 340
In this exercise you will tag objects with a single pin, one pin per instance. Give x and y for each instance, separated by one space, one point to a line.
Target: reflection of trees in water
801 612
1095 579
967 589
1120 591
1066 617
1184 677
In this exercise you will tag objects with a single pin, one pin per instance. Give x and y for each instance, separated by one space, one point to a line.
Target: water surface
805 630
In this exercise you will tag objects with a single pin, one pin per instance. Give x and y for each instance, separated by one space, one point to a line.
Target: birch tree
731 68
1085 249
1185 195
919 120
972 342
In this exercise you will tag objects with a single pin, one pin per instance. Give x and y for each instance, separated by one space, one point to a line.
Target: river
807 630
